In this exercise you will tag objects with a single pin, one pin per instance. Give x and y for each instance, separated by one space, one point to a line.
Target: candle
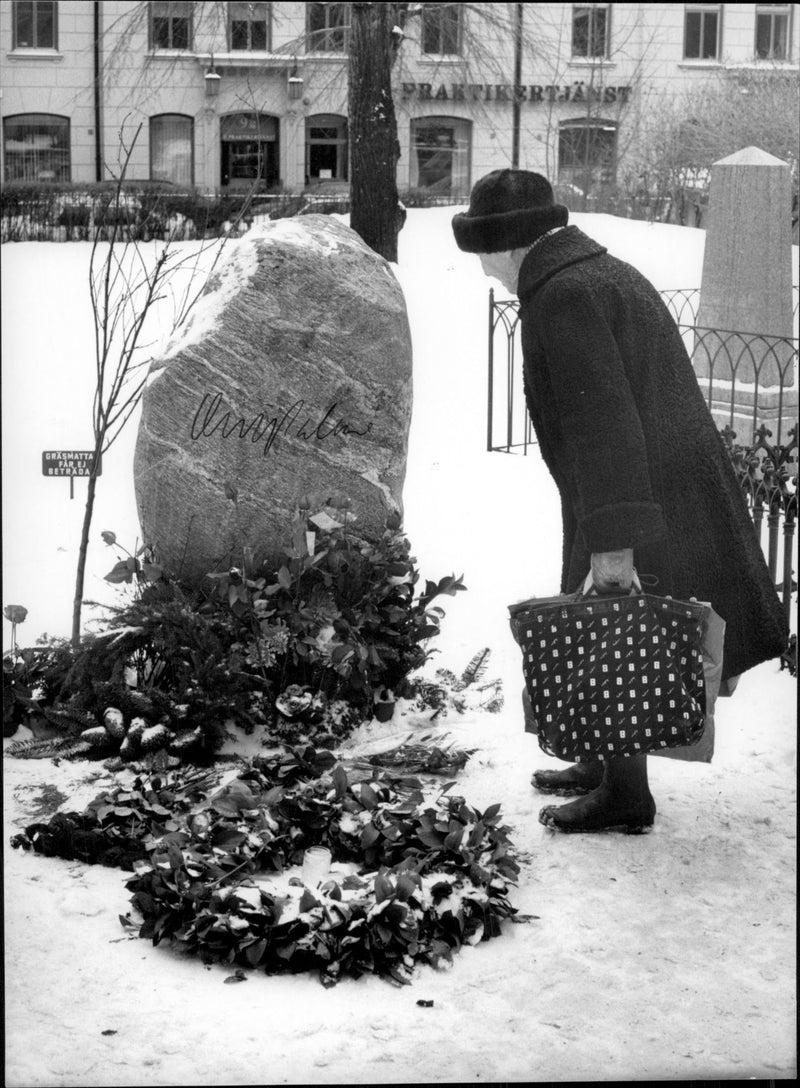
316 865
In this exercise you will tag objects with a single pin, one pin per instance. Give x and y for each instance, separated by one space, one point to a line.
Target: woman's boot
622 802
573 781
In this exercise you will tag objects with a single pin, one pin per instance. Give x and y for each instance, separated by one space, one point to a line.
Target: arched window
36 147
440 154
587 152
326 148
172 148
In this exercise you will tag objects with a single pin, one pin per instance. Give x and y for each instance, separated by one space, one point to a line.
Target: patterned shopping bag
612 676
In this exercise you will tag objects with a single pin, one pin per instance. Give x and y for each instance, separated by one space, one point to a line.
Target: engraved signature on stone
209 419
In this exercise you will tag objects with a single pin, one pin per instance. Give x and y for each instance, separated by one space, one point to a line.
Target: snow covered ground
668 956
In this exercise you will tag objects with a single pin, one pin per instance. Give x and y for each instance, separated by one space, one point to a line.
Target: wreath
429 873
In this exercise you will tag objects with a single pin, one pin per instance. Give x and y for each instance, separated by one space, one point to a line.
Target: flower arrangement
305 648
433 873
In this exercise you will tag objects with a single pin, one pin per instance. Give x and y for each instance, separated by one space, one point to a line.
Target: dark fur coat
625 431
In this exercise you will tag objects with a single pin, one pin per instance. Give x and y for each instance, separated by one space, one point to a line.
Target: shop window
441 29
35 24
172 148
440 155
591 30
326 27
772 31
702 32
326 148
36 147
249 154
250 26
587 153
170 24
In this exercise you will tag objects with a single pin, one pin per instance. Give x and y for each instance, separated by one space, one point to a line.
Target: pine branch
476 668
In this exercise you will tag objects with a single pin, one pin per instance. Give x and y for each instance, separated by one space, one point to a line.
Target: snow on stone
237 266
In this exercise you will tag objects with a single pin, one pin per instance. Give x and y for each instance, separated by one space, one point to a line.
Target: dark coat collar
566 247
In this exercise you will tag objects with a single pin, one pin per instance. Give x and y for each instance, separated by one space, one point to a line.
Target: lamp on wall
295 83
213 80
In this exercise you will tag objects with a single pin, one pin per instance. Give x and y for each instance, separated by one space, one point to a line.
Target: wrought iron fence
767 474
750 384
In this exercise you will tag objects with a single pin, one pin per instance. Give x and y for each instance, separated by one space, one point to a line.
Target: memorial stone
746 290
291 382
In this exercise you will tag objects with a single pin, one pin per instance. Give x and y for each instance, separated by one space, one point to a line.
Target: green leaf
324 522
308 901
406 886
369 798
119 573
175 855
430 838
255 952
369 836
339 777
453 840
284 578
477 833
226 839
383 888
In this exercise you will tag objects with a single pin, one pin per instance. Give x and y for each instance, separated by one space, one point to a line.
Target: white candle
316 865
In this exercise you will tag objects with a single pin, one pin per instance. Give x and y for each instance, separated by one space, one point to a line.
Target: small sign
69 463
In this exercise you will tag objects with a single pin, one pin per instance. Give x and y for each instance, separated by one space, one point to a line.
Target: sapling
125 286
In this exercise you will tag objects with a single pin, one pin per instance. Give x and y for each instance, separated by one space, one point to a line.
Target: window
35 24
441 28
701 36
249 26
587 152
172 148
326 148
590 30
772 31
36 147
327 28
440 155
170 24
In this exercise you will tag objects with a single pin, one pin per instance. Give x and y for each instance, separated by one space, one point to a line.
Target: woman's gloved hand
612 572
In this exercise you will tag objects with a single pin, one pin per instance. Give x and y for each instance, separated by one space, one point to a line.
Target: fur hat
508 209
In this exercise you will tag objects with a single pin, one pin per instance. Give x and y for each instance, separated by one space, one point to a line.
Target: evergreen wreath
434 873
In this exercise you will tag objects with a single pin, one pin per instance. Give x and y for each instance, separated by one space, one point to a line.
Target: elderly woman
622 426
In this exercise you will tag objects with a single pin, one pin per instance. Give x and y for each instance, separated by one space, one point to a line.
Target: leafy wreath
433 873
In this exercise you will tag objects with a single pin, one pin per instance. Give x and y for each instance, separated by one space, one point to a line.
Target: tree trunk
374 149
77 603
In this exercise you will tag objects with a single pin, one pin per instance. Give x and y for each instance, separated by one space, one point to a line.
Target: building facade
219 95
